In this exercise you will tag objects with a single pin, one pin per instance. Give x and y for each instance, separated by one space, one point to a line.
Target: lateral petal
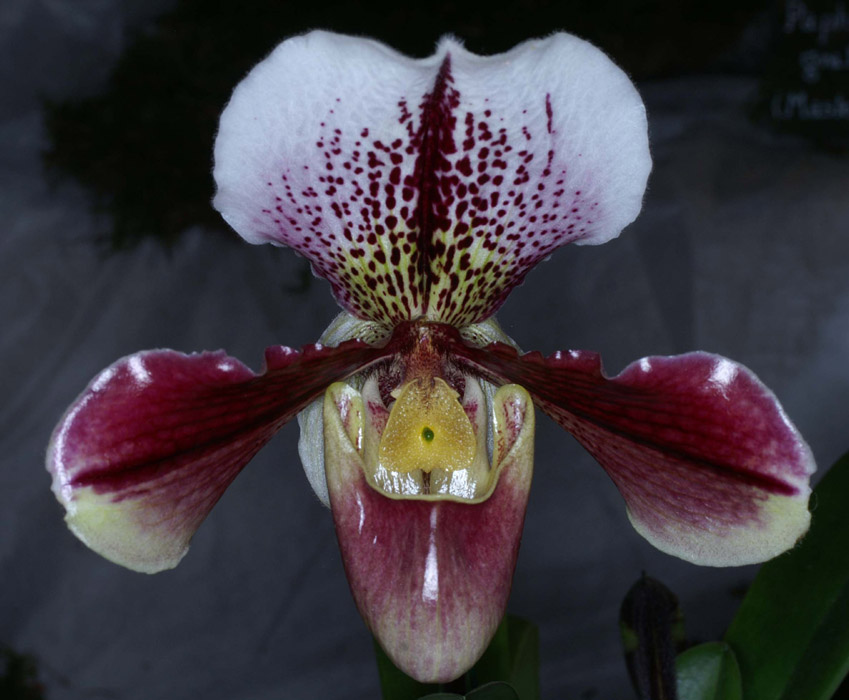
430 187
430 576
143 454
710 467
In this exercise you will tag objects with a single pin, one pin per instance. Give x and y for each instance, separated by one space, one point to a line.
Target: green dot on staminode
427 434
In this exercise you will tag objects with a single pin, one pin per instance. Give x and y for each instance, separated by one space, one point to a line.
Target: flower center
427 429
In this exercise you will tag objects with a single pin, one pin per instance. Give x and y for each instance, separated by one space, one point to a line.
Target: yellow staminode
427 429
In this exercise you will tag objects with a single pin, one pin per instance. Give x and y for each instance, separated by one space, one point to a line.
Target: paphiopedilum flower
424 191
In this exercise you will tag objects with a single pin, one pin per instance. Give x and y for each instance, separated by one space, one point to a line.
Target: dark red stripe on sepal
155 439
710 466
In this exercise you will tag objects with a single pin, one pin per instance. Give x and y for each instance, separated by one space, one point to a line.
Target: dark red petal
710 467
143 454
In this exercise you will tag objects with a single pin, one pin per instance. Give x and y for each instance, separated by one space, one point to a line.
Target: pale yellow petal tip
783 522
124 533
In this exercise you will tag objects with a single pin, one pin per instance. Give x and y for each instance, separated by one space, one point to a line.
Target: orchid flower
424 191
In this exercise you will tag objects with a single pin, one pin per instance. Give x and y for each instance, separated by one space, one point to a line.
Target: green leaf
490 691
513 657
791 634
708 672
494 691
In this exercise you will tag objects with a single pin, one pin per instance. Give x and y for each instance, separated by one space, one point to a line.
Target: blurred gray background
742 249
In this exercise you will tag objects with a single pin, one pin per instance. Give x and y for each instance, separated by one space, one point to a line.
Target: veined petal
430 187
143 454
710 467
430 576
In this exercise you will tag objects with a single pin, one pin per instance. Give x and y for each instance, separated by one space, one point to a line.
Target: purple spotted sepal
145 452
430 574
429 188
